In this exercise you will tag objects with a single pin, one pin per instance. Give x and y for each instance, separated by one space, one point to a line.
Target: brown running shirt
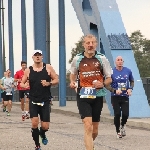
89 70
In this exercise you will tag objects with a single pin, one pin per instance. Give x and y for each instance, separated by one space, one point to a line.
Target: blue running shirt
121 80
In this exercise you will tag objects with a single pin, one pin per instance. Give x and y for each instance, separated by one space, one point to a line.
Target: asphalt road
66 133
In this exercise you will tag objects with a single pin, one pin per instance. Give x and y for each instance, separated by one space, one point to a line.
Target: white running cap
36 51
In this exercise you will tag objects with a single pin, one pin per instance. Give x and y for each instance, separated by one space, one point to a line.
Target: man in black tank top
41 76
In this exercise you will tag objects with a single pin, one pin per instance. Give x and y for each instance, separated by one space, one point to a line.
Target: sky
135 15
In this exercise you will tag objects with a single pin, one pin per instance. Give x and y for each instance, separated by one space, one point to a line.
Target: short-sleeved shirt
90 69
7 83
121 80
19 74
2 83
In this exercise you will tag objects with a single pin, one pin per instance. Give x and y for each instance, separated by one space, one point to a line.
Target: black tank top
38 92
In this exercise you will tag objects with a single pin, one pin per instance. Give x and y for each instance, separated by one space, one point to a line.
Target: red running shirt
19 74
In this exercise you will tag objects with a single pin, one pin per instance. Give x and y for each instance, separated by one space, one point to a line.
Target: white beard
91 51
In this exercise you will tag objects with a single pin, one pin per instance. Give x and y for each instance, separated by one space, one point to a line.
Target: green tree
78 49
141 47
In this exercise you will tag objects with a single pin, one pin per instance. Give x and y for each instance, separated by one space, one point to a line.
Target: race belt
39 104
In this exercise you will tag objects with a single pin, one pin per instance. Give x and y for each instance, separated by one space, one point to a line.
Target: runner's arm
73 70
53 75
24 78
16 78
1 85
73 77
107 70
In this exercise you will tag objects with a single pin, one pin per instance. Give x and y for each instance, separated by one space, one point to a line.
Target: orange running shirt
89 70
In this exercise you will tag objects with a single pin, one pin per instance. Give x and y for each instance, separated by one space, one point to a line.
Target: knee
35 124
116 118
88 126
27 100
10 102
45 128
125 116
22 102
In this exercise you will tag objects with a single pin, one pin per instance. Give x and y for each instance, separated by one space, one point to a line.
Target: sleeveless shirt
38 92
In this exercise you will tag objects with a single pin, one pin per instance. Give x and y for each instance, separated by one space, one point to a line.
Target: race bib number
122 86
39 104
88 92
8 93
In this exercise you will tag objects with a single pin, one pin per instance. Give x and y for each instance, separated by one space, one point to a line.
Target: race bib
8 93
122 86
39 104
88 92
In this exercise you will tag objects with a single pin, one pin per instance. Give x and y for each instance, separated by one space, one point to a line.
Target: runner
122 86
18 76
41 76
89 70
8 85
2 92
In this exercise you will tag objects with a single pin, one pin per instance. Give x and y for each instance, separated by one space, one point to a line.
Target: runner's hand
118 92
73 85
3 88
19 80
44 83
129 92
26 85
98 84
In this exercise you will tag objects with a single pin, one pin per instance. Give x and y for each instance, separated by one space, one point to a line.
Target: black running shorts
21 94
7 97
2 94
27 93
120 104
90 107
43 111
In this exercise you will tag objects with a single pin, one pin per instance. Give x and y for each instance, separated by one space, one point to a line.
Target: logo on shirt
96 64
85 65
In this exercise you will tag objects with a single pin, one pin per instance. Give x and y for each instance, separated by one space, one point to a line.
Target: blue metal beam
24 36
62 54
4 58
47 32
39 7
1 58
11 55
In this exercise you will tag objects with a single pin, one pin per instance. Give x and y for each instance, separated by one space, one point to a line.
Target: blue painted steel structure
62 54
11 55
99 17
1 52
1 60
102 18
24 36
39 7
